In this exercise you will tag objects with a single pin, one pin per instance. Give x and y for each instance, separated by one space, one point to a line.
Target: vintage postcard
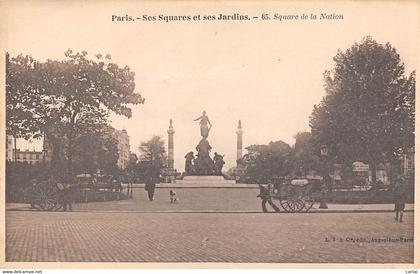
208 134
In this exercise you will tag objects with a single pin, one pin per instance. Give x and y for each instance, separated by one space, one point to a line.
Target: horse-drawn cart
45 196
297 195
51 195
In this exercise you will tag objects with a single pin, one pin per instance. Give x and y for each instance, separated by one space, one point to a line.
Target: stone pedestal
205 181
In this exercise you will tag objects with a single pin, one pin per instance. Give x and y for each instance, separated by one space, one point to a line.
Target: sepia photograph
207 133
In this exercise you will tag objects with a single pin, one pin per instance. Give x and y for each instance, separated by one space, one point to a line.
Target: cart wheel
44 197
308 198
58 206
308 203
293 201
284 200
296 204
57 199
285 205
292 205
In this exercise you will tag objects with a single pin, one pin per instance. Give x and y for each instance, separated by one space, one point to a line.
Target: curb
202 186
216 212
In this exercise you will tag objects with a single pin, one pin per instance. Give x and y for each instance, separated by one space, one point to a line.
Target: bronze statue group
202 164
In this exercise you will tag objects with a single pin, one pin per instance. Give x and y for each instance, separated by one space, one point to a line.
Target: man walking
399 198
266 198
150 186
66 195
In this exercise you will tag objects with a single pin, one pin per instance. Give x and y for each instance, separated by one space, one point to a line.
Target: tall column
171 132
239 133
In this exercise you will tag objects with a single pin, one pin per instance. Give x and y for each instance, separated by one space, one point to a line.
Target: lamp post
325 177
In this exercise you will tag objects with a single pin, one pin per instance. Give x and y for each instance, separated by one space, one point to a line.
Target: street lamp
324 190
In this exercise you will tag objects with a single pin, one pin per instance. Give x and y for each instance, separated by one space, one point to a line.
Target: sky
268 74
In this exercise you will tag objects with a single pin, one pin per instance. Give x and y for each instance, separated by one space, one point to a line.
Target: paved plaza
203 200
208 237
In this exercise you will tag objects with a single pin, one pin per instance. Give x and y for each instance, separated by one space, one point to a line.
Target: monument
201 168
239 133
169 173
171 132
202 164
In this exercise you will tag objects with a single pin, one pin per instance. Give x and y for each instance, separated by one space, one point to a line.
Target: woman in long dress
205 125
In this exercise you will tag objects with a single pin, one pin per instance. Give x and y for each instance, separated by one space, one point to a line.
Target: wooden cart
296 195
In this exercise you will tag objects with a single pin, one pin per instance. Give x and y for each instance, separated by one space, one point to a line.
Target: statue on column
205 125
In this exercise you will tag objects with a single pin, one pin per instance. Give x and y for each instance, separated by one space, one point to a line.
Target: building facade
123 147
408 163
9 148
28 156
23 156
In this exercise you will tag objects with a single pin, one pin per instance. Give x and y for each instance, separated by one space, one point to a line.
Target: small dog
172 196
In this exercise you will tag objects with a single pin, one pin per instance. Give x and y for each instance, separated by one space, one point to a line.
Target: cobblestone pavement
212 237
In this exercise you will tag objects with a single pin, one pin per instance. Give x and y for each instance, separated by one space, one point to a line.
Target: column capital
171 128
239 130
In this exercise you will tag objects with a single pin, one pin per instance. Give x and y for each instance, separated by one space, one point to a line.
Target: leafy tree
133 170
264 162
21 99
19 94
65 99
368 112
305 154
153 156
96 151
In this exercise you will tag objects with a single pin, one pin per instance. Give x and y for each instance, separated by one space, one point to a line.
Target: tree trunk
373 170
15 151
390 172
69 165
56 162
70 157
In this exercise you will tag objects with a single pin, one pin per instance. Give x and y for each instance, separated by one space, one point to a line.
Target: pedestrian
266 198
150 186
32 190
66 196
399 192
